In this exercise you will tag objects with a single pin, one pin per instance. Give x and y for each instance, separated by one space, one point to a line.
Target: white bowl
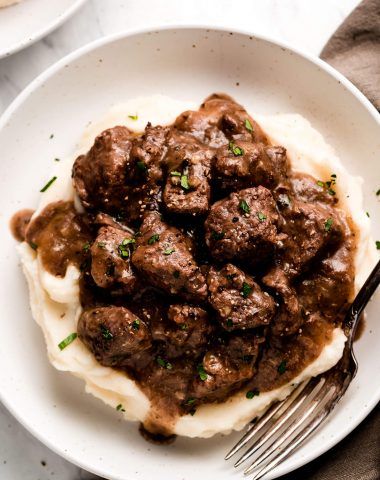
26 22
185 63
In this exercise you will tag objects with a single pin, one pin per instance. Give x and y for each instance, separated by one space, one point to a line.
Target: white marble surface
306 24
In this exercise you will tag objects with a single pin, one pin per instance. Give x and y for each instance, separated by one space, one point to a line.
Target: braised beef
111 260
207 266
245 164
239 301
164 256
113 334
243 226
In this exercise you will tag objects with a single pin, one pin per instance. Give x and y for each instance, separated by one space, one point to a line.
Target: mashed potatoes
55 301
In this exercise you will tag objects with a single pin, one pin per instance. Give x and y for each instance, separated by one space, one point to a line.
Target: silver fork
287 424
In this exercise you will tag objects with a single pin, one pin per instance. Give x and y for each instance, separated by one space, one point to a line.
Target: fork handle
361 300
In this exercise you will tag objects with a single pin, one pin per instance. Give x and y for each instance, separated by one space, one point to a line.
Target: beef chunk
113 334
311 229
121 174
111 265
164 256
100 176
289 317
307 189
239 300
245 164
243 226
225 368
188 164
219 120
189 329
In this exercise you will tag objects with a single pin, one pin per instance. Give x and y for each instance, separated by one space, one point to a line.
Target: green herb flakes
230 323
123 248
235 149
217 235
169 251
378 244
105 332
164 363
141 166
248 125
244 207
86 247
133 117
174 173
252 393
66 342
136 324
378 192
120 408
246 290
49 183
153 239
101 245
33 245
282 367
328 224
261 216
185 182
202 373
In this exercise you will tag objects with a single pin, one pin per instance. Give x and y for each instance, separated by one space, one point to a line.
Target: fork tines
285 425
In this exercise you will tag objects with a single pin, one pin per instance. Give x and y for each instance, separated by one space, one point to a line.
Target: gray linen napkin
354 49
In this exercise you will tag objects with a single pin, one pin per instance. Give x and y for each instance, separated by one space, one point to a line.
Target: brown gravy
19 223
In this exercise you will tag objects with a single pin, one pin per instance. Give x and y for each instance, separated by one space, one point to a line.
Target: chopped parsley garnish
248 125
230 323
51 135
367 214
174 173
169 251
136 324
217 235
57 159
33 245
164 363
185 182
176 274
252 393
120 408
244 207
66 342
328 224
320 183
235 149
201 372
105 332
101 244
141 166
328 184
123 247
49 183
133 117
261 216
153 239
190 401
246 290
184 326
378 192
282 367
86 247
378 244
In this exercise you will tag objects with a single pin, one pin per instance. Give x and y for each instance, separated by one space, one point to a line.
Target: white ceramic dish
185 63
26 22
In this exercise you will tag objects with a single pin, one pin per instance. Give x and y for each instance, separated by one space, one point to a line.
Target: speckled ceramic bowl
45 122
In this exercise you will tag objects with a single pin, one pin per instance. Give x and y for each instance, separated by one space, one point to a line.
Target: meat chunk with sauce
164 256
289 316
245 164
100 176
238 299
225 368
188 165
243 226
111 259
113 334
219 120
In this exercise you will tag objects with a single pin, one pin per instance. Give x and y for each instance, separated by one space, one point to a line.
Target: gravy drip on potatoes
207 266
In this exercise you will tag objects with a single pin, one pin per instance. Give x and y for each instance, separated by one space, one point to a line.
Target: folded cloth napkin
354 49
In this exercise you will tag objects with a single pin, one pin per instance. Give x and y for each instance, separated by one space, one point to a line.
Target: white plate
26 22
185 63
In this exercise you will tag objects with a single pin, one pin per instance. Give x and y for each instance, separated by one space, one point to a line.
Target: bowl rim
41 32
92 46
